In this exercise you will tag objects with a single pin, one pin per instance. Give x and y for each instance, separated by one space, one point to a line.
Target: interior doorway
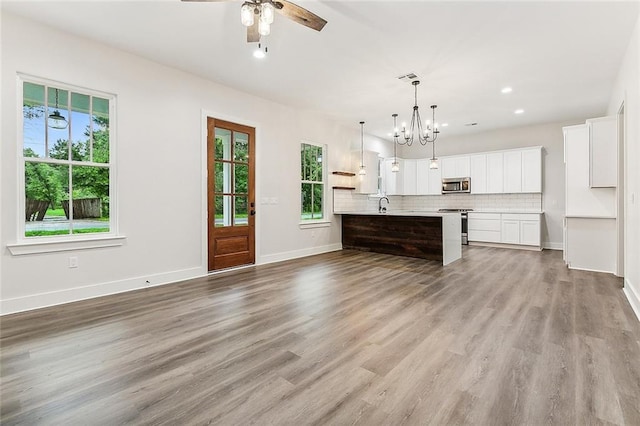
230 194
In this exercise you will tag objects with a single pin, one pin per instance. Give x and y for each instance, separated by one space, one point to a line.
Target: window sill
35 247
315 224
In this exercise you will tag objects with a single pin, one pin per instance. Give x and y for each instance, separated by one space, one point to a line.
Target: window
312 181
66 146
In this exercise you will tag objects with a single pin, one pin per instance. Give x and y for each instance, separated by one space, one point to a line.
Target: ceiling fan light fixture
264 28
246 14
267 13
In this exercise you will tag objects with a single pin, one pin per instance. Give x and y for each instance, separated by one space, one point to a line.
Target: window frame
324 220
49 243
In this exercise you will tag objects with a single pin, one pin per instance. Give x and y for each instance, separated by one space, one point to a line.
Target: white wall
160 169
627 90
549 136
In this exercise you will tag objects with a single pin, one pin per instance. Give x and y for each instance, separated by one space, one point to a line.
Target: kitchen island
426 235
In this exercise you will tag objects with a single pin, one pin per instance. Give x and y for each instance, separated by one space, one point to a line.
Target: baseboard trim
548 245
43 300
590 270
632 297
295 254
507 246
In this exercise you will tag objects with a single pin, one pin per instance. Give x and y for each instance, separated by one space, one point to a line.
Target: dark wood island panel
413 236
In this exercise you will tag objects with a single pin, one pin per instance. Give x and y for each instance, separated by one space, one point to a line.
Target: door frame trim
204 225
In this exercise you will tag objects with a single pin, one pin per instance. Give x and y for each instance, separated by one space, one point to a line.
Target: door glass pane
100 119
223 206
34 120
241 147
90 199
223 144
241 178
223 177
241 217
46 195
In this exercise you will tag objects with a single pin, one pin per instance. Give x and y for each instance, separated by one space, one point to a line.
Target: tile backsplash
345 201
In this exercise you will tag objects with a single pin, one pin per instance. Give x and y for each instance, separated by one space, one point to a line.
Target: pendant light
363 170
55 119
395 166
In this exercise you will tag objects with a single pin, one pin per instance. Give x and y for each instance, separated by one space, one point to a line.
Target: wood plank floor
500 337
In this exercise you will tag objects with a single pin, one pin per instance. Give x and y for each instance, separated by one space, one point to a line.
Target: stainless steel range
464 217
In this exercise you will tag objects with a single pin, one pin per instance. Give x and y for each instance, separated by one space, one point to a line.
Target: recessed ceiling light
518 111
445 124
389 134
506 90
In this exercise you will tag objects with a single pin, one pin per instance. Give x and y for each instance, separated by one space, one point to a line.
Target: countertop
402 213
435 213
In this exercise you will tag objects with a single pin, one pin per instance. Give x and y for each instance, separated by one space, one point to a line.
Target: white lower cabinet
505 228
522 229
510 231
530 232
484 227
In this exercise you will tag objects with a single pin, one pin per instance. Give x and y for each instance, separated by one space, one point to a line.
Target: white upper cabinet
603 162
498 172
523 170
429 181
409 177
495 173
532 170
435 181
512 171
368 183
455 167
478 174
422 176
581 200
393 182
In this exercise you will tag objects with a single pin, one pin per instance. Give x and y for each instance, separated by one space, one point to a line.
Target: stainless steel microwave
456 185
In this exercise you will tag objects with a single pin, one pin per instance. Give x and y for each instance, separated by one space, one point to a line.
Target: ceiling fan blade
300 15
253 36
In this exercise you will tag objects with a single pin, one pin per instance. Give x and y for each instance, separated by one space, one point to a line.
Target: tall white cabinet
590 239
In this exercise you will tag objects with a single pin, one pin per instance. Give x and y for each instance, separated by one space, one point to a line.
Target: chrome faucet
380 208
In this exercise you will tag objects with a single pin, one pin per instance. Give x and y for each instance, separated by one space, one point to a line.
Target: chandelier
416 132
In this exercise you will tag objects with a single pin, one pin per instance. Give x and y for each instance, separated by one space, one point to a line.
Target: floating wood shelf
343 173
344 187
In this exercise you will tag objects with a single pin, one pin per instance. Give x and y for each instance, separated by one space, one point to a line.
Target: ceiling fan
257 16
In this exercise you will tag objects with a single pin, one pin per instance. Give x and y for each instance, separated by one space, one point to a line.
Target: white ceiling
560 58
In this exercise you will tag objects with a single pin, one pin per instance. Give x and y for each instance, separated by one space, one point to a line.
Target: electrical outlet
73 262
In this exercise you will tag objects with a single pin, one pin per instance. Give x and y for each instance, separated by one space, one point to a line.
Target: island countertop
421 213
423 234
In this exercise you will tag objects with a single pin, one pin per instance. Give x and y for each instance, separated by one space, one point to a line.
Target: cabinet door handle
253 212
